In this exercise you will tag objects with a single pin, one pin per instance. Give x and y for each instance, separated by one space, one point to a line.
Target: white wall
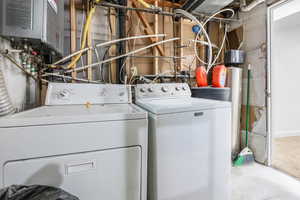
285 70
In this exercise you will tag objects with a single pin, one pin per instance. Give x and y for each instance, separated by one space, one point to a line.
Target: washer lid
50 115
166 106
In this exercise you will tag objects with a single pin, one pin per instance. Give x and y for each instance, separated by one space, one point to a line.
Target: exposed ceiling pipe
253 4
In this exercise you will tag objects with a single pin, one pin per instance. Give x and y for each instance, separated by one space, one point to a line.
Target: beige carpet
286 155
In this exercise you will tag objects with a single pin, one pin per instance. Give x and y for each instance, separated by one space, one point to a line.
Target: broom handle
248 104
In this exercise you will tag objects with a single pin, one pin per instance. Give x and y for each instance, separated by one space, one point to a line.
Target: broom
246 155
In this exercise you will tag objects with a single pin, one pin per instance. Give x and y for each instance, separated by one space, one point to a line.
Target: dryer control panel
164 90
75 93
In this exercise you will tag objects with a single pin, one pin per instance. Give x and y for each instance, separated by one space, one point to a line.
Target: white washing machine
89 140
189 144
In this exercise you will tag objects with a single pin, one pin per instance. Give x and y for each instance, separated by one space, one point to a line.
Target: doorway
284 87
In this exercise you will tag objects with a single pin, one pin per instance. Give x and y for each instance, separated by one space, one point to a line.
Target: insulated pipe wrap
6 106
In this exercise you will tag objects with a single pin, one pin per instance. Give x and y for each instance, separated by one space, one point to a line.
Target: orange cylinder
201 76
219 76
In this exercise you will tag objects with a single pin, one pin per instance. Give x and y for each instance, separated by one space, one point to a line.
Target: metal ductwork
205 6
6 106
41 22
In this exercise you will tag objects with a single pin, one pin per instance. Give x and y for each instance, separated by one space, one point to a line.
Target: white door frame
269 81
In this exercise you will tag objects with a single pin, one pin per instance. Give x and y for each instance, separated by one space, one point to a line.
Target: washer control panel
164 90
75 93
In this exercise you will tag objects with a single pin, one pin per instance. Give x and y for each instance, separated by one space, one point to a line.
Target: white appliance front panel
27 143
110 174
190 155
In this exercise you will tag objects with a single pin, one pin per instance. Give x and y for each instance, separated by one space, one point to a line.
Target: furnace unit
40 22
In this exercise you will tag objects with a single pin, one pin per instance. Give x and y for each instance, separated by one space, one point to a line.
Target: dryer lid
68 114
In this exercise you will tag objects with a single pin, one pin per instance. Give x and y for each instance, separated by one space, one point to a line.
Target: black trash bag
34 192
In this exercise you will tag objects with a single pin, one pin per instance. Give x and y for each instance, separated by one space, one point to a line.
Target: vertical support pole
155 52
179 51
73 30
206 47
177 67
89 43
121 47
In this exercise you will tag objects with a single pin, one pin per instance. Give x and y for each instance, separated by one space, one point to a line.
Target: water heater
205 6
40 22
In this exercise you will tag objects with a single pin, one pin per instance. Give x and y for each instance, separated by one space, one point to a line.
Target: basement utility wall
99 33
255 45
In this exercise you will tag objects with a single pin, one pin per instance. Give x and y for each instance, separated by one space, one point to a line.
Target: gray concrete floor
257 182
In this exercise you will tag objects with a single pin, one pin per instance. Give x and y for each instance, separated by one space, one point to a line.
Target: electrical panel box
40 22
205 6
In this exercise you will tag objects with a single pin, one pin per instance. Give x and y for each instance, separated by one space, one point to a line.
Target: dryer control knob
150 90
164 89
184 88
63 94
177 88
142 90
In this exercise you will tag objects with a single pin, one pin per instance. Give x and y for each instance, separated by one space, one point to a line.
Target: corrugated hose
6 106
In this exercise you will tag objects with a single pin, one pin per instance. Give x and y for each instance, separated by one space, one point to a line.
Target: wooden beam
73 30
112 50
162 3
148 29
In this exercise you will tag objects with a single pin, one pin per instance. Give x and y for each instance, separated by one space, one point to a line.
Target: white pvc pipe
205 43
222 46
224 38
193 18
252 5
106 44
121 56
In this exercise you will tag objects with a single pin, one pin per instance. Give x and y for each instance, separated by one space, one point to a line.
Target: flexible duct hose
6 106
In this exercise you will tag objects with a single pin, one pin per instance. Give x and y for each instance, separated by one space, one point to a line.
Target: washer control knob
150 89
184 88
177 88
164 89
142 90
